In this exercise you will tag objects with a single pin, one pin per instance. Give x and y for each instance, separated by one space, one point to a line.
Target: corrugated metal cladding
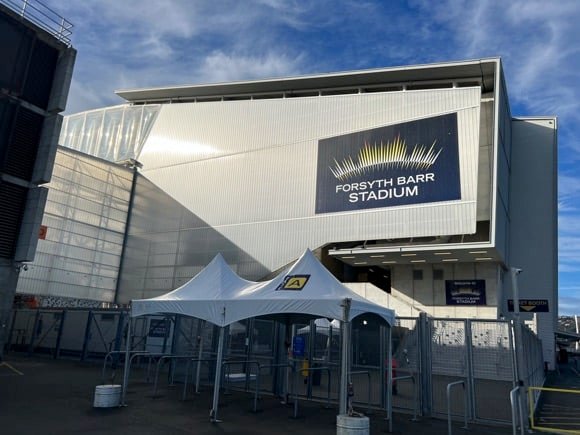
247 169
85 216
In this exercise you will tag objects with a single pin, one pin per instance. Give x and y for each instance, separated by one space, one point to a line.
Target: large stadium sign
410 163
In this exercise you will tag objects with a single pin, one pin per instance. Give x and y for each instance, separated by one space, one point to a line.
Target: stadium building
415 185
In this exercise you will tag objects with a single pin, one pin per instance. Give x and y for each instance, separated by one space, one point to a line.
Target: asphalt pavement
39 395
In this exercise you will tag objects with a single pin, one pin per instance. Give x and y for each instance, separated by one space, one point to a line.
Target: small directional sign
530 306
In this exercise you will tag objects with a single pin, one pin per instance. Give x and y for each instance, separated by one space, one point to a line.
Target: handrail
159 361
516 399
309 369
258 379
44 17
449 386
196 360
368 373
131 358
415 396
110 354
227 372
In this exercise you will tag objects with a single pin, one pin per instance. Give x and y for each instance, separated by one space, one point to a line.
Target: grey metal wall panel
533 232
246 171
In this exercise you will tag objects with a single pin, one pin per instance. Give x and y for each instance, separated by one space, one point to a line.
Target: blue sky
139 43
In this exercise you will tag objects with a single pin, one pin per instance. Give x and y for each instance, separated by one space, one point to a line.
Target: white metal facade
248 168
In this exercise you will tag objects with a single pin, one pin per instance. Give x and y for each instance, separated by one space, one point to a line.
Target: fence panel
493 369
448 363
406 362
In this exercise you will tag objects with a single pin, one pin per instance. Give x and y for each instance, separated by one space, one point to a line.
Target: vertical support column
8 342
519 343
127 227
87 335
470 371
577 345
390 380
59 337
201 326
118 336
213 414
424 346
383 362
127 360
33 333
345 356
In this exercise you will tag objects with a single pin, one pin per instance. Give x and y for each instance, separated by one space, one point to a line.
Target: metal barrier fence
428 355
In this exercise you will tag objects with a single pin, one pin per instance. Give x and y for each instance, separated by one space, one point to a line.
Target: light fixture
408 255
442 253
450 259
388 262
360 262
377 256
483 259
365 322
478 252
344 258
418 261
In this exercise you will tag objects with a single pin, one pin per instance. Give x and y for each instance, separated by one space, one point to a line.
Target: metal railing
368 373
44 17
415 395
466 404
517 410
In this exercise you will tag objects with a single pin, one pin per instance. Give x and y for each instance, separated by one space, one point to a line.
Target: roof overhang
482 69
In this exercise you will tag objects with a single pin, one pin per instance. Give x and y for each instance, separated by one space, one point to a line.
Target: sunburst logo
390 155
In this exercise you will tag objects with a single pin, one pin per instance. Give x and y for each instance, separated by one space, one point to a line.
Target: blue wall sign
467 292
410 163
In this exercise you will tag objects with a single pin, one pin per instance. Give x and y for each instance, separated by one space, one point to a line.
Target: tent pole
218 375
127 360
344 357
200 354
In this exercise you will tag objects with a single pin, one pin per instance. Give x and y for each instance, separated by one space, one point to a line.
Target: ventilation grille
21 153
12 203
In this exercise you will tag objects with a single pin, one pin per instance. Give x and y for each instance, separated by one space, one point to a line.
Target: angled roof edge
483 68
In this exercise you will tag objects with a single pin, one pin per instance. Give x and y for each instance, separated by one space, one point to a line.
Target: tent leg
200 354
127 360
342 408
213 414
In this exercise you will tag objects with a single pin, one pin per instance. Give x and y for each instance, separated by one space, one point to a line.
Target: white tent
307 289
201 297
323 326
221 297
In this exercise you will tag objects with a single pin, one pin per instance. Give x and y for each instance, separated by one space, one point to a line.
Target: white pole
127 359
345 357
577 329
519 345
199 355
218 375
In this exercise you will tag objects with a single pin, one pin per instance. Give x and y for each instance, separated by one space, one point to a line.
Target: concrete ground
44 396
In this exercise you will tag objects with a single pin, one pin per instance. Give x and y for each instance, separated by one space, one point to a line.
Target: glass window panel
111 134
